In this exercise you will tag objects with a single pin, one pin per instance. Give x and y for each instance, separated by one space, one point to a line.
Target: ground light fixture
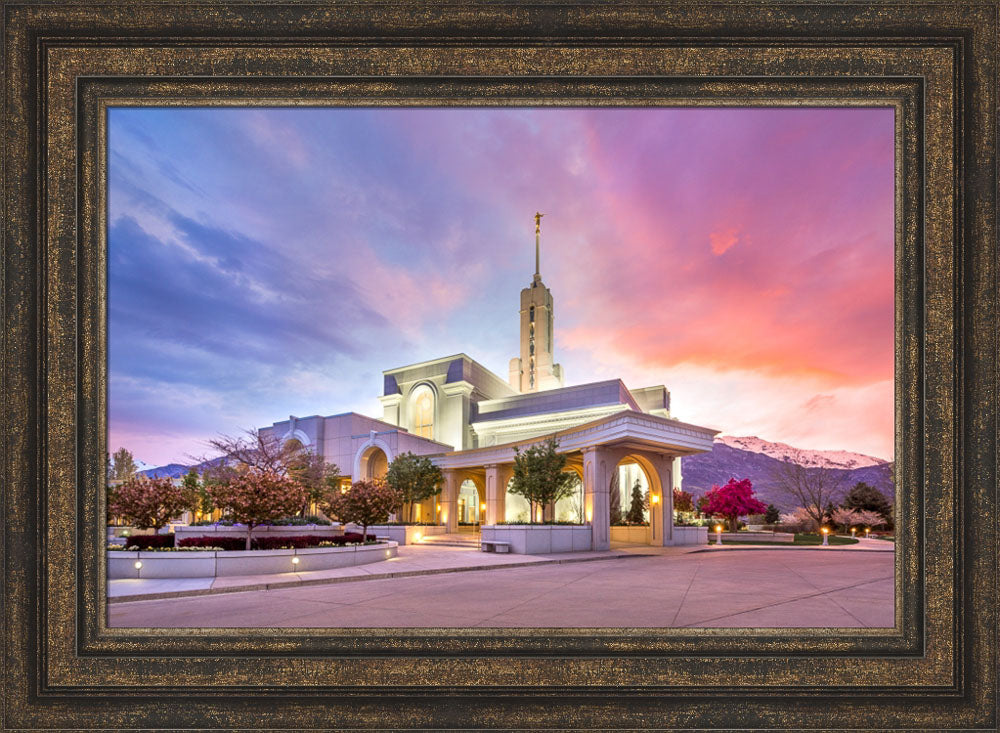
826 536
417 537
138 564
718 534
854 531
295 559
867 530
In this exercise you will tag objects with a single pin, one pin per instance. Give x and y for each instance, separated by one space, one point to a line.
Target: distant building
468 421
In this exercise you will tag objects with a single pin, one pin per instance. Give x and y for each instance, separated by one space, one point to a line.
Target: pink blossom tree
366 502
147 502
845 517
733 500
257 495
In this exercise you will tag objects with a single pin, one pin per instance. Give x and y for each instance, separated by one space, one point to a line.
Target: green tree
772 516
539 476
196 494
123 466
865 498
637 509
415 478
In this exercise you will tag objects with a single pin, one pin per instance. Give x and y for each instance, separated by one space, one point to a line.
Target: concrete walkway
411 560
735 587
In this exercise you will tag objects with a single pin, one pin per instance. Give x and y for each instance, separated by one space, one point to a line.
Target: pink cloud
723 240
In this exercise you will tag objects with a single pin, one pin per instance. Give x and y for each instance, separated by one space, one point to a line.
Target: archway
635 502
568 509
374 463
471 506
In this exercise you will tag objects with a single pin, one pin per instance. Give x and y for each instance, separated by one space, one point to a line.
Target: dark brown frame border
65 63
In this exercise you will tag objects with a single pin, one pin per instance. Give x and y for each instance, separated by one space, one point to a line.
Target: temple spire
538 236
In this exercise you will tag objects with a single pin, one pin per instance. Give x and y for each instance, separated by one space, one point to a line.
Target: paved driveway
748 588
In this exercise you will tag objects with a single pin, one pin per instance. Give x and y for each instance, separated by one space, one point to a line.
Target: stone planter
267 530
543 539
690 535
757 536
404 534
209 564
638 535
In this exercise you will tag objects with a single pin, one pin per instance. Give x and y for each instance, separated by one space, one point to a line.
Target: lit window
423 412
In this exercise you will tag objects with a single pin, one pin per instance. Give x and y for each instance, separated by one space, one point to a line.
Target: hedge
272 543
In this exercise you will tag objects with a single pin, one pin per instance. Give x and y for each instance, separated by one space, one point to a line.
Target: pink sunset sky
267 262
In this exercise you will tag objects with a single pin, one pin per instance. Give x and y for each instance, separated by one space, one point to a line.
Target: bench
494 546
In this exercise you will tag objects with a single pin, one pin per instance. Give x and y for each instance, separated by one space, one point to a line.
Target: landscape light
418 537
138 564
826 536
295 560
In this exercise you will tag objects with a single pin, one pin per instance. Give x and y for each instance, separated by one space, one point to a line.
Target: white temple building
468 421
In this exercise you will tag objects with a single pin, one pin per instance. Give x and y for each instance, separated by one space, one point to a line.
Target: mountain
758 460
176 470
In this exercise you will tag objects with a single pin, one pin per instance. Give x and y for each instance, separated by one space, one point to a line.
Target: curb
358 578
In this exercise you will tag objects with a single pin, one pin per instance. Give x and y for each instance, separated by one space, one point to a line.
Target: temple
468 421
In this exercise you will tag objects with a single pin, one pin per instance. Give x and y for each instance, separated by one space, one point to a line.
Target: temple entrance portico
594 451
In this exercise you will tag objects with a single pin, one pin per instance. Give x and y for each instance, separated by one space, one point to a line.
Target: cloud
723 240
279 259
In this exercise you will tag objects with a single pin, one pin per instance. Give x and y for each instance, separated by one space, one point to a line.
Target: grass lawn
800 539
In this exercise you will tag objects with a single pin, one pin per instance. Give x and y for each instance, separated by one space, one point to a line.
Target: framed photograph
522 366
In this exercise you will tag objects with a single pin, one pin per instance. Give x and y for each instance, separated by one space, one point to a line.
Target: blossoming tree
366 502
735 499
254 496
147 502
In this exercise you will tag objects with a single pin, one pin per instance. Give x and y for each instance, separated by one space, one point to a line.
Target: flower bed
218 563
264 530
272 542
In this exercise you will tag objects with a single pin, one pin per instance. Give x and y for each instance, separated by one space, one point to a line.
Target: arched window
423 411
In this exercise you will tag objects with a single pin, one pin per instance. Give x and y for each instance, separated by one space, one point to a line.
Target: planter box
757 536
541 539
404 534
215 530
690 535
209 564
630 535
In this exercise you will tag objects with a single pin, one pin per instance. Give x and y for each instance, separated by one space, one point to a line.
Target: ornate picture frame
66 63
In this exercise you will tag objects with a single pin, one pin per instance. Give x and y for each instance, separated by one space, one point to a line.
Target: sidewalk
412 560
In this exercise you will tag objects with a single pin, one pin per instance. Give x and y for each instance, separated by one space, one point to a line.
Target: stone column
661 520
448 516
597 468
496 491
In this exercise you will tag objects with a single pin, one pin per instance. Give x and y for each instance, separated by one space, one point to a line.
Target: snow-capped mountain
759 461
803 457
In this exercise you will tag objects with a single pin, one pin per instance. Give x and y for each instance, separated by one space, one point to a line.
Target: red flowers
733 500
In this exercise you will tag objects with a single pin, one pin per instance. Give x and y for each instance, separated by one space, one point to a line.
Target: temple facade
469 421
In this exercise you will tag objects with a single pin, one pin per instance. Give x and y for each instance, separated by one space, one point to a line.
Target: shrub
149 541
299 521
273 543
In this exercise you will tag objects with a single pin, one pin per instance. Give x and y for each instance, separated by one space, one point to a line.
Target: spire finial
538 235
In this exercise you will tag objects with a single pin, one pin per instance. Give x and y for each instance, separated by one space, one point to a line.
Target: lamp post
718 534
826 536
854 531
867 530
